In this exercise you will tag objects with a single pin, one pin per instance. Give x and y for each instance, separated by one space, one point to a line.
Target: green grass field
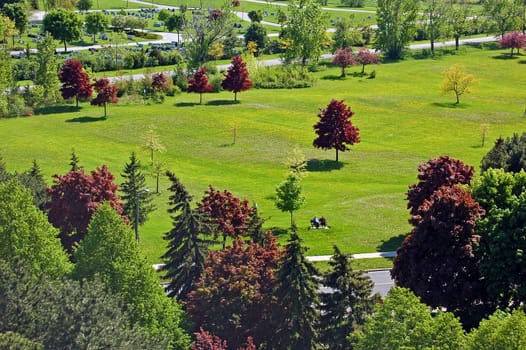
403 119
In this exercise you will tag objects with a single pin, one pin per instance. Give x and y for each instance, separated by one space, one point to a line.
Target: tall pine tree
296 312
136 196
347 305
187 246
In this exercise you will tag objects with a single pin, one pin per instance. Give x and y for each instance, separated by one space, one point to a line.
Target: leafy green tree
66 314
204 29
175 22
152 143
63 25
347 305
504 15
187 241
26 234
456 80
458 21
437 261
18 14
95 23
396 25
296 313
7 79
135 195
508 154
288 195
256 33
84 5
14 341
434 21
304 31
403 322
110 251
344 35
503 195
47 77
501 330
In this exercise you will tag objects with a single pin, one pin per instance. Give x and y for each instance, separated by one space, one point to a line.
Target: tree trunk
104 110
200 98
77 100
291 220
235 96
336 155
65 47
456 42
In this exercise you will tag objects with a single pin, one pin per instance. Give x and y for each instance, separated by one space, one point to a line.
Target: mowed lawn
403 118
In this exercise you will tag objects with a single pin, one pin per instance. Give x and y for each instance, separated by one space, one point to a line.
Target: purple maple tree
365 57
344 58
199 83
513 40
75 81
106 93
335 129
236 79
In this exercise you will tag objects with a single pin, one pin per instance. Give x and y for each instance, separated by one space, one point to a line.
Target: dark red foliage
366 56
75 81
106 93
344 58
236 3
436 260
215 14
236 78
513 40
199 83
206 341
159 81
435 173
233 299
227 212
74 197
335 129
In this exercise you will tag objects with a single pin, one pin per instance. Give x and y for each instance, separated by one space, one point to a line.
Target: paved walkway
355 256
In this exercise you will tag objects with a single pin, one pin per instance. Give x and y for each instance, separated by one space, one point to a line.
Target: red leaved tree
435 173
106 93
236 79
159 82
234 297
513 40
335 129
366 56
344 58
75 81
206 341
437 261
225 211
74 197
199 83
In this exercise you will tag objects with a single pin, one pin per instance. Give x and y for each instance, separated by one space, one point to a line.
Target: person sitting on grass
315 223
323 222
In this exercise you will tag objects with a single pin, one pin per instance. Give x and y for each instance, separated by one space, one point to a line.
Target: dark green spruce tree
34 181
136 196
74 161
296 312
187 243
346 306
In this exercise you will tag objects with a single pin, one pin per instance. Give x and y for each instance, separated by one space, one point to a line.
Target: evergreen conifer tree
296 313
136 196
187 246
347 305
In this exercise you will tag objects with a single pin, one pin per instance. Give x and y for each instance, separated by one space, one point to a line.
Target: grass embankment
403 121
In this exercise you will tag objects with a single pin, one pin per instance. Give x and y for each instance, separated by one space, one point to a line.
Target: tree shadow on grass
522 62
222 103
186 104
333 77
505 57
392 244
448 105
323 165
279 231
85 119
490 45
58 109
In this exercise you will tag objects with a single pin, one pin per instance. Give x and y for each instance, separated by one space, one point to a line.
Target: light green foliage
396 25
304 32
345 35
288 195
456 80
65 314
26 235
502 246
110 251
403 322
501 331
47 77
84 5
152 143
14 341
63 25
504 15
434 20
95 23
6 79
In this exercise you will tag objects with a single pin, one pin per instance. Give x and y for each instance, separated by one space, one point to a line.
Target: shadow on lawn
85 119
448 105
323 165
392 243
58 109
186 104
222 103
505 57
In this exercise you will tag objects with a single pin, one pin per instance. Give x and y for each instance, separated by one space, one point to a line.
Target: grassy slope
403 118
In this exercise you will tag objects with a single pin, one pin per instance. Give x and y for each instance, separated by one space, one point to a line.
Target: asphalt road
382 281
